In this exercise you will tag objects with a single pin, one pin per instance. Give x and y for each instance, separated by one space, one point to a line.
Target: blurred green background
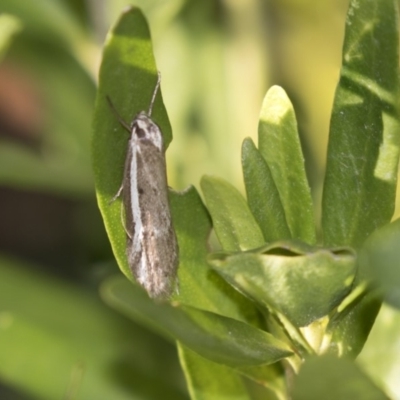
217 59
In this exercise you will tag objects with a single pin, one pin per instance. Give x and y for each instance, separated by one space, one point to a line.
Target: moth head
145 130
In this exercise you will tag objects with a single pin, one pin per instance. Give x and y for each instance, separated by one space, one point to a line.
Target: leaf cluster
278 293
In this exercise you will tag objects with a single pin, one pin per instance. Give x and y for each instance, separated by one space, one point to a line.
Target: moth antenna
154 94
116 113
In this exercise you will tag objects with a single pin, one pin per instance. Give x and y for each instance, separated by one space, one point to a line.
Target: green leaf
199 285
210 381
233 222
331 378
128 75
262 195
363 150
220 339
298 281
56 337
379 259
279 144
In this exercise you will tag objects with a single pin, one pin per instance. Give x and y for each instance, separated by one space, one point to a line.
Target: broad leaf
298 281
128 75
363 150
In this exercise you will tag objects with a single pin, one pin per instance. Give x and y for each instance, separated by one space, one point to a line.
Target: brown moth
152 247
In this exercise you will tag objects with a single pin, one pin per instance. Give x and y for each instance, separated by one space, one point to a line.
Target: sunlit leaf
128 75
363 150
279 144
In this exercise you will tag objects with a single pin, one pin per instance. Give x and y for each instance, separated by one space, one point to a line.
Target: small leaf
332 378
262 194
128 75
302 283
363 151
233 222
279 144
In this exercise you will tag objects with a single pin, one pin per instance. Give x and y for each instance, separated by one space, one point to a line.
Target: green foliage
285 305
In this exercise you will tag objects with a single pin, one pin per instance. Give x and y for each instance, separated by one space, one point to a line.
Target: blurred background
217 59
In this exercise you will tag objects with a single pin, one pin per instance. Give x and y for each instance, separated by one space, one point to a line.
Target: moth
151 244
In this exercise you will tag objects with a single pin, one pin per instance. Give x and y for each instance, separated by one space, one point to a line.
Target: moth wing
157 259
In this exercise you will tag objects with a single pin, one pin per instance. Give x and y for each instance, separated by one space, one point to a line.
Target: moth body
152 248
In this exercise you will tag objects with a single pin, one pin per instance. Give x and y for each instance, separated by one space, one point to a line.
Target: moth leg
123 222
117 194
122 210
116 113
